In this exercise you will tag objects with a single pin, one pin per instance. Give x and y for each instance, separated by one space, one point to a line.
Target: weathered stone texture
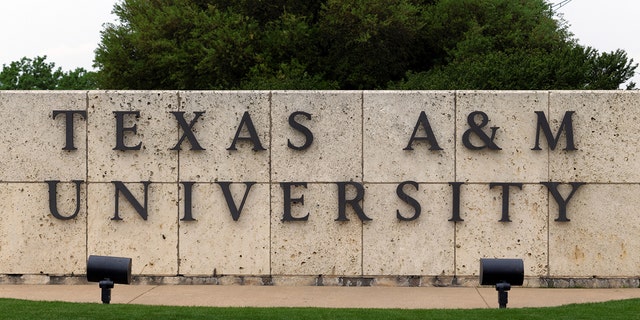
238 193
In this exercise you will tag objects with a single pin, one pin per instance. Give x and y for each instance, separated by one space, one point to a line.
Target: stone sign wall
322 187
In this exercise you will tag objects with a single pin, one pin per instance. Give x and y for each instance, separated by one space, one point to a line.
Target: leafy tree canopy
37 74
349 44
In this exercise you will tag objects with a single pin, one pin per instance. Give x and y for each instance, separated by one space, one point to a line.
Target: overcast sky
68 31
606 25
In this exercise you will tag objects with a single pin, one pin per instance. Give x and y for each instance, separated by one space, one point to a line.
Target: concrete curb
315 296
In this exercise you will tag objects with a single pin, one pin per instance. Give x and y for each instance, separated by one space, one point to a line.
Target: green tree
78 79
349 44
175 44
506 45
609 70
366 43
37 74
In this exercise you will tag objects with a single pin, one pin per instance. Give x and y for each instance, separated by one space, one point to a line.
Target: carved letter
286 187
121 129
53 199
69 125
409 200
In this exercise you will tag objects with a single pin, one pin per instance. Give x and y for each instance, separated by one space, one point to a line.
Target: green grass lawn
22 309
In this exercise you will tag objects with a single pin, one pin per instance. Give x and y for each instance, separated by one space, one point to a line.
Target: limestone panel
482 235
423 246
336 124
389 122
606 135
216 244
601 238
152 243
33 141
320 245
513 114
154 130
32 241
215 130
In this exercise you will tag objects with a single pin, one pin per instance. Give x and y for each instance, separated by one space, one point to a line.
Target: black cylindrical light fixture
108 271
116 269
503 273
494 271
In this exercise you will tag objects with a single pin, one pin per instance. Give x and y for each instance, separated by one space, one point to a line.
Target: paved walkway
334 297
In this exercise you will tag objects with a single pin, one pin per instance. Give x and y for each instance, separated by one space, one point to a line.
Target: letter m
566 126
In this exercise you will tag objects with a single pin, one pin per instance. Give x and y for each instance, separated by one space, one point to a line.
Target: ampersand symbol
477 129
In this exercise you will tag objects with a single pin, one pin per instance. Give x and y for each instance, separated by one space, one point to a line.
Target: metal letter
430 137
121 129
477 129
69 125
140 209
235 211
188 188
505 197
253 135
53 199
187 130
355 202
562 203
566 125
409 200
286 187
304 130
455 214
